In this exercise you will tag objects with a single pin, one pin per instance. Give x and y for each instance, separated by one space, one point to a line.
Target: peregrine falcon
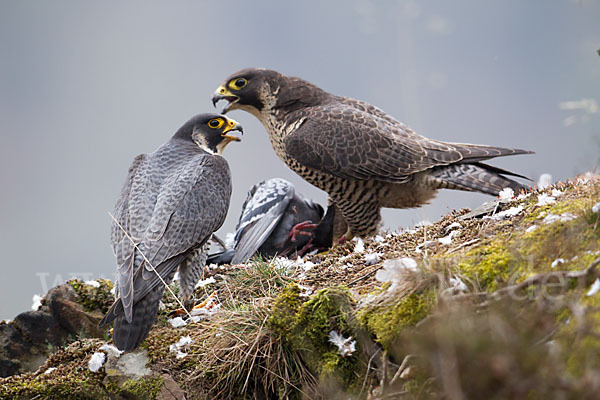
172 201
361 156
276 220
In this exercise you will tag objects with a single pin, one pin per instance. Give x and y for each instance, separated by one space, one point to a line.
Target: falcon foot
196 310
298 230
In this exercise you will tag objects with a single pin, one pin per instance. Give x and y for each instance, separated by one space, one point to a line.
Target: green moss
512 255
94 298
143 388
580 334
71 380
488 265
284 310
305 326
387 322
63 388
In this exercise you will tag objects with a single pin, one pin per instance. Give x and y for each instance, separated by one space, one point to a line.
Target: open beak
232 126
222 93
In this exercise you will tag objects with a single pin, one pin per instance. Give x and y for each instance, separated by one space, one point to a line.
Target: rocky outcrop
69 311
499 303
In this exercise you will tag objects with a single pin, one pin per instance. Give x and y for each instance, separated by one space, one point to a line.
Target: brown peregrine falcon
361 156
172 201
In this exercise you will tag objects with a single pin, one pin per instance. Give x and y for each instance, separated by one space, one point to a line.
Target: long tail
477 177
128 335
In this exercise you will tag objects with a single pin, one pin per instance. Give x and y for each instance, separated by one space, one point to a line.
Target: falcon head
210 132
258 90
246 90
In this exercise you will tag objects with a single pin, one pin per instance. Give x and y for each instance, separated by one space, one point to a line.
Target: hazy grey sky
85 86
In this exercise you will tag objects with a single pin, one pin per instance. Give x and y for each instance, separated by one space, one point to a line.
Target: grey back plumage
172 201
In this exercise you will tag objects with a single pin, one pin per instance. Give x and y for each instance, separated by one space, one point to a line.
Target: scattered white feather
37 302
111 350
177 322
372 258
180 354
544 181
305 265
346 266
523 196
93 283
595 288
360 245
506 194
176 276
564 217
346 346
183 343
394 270
113 291
378 239
458 284
49 370
596 207
506 214
531 228
204 282
446 240
308 265
511 212
557 262
544 199
452 226
96 362
556 193
285 263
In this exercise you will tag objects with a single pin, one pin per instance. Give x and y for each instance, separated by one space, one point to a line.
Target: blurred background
86 86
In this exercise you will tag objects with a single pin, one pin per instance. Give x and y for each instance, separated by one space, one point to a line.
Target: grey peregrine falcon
172 201
361 156
276 220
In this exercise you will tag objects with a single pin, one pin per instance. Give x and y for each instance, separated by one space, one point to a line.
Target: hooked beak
232 126
222 93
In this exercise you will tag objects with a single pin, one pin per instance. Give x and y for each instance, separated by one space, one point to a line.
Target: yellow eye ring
238 83
215 123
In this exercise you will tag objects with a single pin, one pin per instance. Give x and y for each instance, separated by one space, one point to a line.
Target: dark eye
238 83
215 123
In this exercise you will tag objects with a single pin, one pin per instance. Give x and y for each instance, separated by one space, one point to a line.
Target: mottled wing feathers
177 204
124 252
363 144
262 210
